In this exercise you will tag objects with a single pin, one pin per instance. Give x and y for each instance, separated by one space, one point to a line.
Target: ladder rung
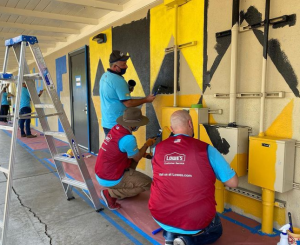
75 183
44 106
61 158
36 116
55 133
33 76
6 127
8 81
4 170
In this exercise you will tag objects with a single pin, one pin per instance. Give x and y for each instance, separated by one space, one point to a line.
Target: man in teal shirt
26 109
4 103
114 92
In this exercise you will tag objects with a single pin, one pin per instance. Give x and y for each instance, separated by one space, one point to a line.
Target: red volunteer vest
111 162
183 190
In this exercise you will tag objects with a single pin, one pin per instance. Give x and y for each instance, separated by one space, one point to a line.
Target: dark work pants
25 110
4 112
106 131
209 235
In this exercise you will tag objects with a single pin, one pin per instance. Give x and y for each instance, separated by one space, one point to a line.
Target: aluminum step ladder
19 45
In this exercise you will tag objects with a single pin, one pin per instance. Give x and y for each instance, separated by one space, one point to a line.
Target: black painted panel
134 38
218 142
100 72
277 55
165 76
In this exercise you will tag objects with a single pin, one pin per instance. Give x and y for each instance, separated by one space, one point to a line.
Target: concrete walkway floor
41 214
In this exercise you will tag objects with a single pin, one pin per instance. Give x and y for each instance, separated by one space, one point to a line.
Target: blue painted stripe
61 68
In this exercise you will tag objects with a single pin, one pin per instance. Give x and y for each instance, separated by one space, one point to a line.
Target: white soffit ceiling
59 23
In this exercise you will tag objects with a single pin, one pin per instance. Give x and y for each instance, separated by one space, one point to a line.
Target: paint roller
160 87
149 155
158 135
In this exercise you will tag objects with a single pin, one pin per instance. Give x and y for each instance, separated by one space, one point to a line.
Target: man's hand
150 98
150 142
41 92
148 155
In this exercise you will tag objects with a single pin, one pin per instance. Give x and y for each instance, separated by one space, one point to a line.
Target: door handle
85 108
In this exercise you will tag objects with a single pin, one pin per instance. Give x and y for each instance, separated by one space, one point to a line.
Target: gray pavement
41 214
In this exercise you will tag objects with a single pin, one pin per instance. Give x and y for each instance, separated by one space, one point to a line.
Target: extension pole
264 69
234 54
175 54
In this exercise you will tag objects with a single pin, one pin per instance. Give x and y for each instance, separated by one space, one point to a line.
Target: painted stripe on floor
255 230
133 226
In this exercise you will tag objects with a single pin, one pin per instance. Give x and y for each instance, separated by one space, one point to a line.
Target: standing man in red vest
118 157
182 197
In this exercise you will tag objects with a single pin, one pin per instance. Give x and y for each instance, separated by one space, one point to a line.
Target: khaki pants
132 184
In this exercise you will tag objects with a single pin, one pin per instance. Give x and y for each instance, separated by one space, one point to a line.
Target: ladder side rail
76 150
6 59
64 122
9 185
30 83
1 92
49 138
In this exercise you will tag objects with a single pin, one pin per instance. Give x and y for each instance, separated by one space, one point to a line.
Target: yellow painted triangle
132 74
282 125
161 21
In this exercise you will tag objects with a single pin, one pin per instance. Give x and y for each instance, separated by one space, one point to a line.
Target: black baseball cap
117 55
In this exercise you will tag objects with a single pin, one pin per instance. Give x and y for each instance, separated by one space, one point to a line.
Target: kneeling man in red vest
118 157
182 199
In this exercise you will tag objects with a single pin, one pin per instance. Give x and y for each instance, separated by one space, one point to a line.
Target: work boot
31 136
178 241
110 202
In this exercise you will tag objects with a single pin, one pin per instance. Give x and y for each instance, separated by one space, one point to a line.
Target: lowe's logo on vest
108 138
174 158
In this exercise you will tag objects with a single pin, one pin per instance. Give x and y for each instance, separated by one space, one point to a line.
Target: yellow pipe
268 198
219 196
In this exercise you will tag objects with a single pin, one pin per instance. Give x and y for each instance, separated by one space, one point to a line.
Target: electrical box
231 142
199 115
171 3
271 163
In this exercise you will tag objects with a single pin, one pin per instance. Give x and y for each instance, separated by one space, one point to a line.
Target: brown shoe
23 135
31 136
